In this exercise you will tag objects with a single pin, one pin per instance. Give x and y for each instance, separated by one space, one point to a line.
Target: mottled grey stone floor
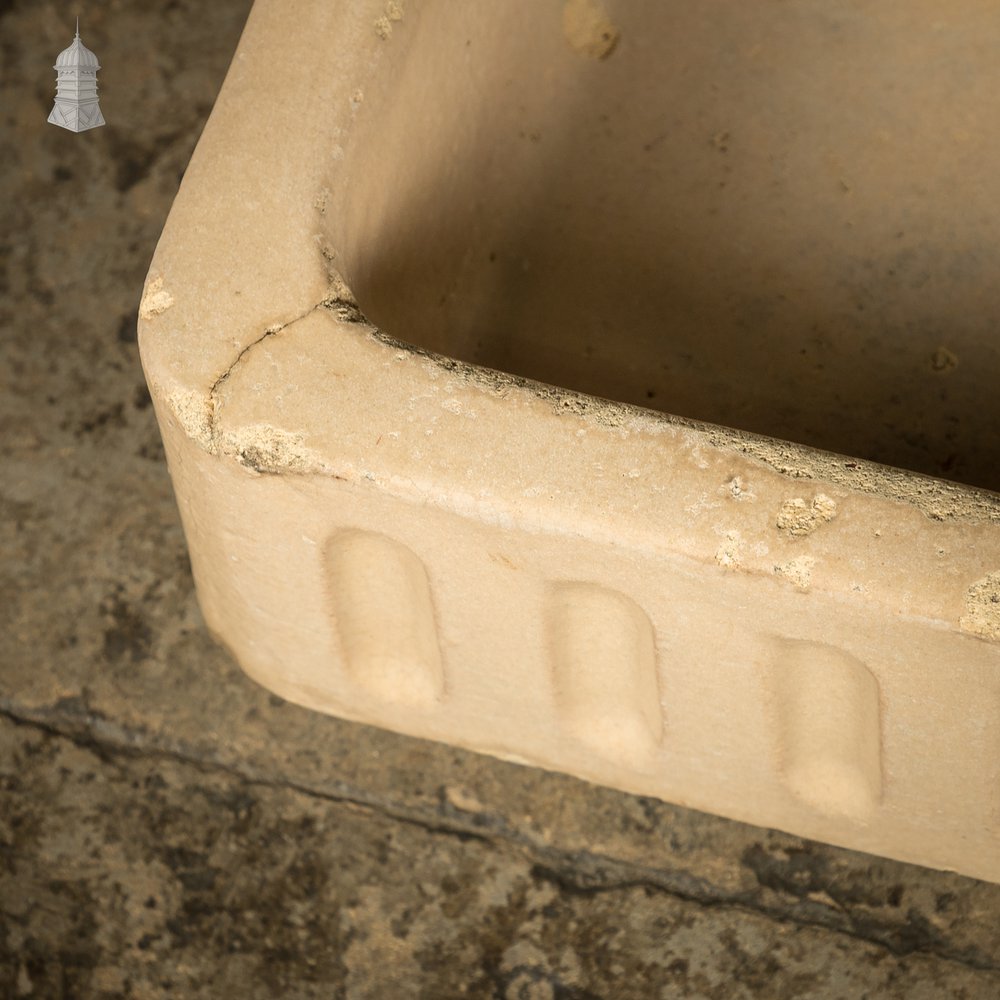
168 829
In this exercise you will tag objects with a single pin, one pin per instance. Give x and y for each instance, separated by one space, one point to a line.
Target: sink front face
781 218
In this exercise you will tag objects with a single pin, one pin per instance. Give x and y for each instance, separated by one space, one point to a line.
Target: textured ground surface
168 829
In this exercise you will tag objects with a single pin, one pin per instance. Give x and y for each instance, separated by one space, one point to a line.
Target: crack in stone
576 872
339 300
271 331
263 448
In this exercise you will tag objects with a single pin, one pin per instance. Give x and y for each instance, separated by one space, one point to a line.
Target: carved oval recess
384 617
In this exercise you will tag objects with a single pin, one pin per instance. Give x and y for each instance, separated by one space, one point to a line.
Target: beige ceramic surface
780 218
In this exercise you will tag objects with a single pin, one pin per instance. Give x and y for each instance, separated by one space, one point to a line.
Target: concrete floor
168 829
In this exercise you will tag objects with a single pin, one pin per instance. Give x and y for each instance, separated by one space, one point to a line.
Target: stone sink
611 388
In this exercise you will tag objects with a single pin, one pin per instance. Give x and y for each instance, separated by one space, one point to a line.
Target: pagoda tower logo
76 106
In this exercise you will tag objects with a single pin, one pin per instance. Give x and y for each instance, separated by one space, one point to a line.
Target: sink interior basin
781 218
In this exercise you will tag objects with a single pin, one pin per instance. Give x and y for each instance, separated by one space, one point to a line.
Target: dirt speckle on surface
799 518
721 140
588 29
739 489
322 200
728 553
944 361
982 608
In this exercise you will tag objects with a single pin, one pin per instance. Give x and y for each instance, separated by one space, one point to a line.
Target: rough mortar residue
937 499
194 412
799 518
588 29
383 23
155 299
728 553
797 571
982 608
267 449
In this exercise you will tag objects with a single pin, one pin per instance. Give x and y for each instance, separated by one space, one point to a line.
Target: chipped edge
982 608
155 299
